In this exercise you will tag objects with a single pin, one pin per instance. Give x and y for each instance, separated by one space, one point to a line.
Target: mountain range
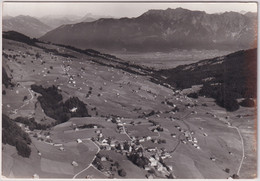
161 30
37 27
26 25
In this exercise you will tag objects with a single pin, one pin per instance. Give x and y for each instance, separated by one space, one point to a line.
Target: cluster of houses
154 154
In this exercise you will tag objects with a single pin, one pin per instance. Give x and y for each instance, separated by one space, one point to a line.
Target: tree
23 149
100 166
4 92
117 164
37 55
122 173
193 95
170 176
235 176
227 170
25 98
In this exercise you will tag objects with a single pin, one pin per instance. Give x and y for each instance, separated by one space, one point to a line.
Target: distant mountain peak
157 30
25 24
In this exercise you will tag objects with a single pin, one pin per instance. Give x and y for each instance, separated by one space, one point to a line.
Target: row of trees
31 123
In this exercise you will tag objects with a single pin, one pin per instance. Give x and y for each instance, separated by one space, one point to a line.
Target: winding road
242 143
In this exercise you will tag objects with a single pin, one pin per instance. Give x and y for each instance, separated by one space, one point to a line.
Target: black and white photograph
129 90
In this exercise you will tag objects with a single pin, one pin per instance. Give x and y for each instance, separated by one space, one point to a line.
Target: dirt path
243 148
242 142
25 102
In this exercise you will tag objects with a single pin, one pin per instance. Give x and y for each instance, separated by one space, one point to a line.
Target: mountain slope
27 25
160 30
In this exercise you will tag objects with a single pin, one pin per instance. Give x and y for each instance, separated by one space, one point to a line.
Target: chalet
142 140
148 138
213 159
195 140
79 141
104 142
57 144
75 164
169 167
157 157
173 135
95 127
166 155
159 167
186 134
151 149
205 134
155 141
108 147
98 131
103 159
61 149
119 124
133 138
153 162
36 176
118 120
112 144
100 135
146 167
74 109
109 119
130 149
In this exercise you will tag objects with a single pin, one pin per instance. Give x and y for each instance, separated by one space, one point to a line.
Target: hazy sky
114 9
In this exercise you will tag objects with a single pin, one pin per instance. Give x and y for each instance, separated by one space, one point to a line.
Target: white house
148 138
61 149
153 162
75 164
36 176
79 141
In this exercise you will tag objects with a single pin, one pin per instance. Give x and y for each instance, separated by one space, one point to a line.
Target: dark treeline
224 78
31 123
52 103
6 80
13 135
